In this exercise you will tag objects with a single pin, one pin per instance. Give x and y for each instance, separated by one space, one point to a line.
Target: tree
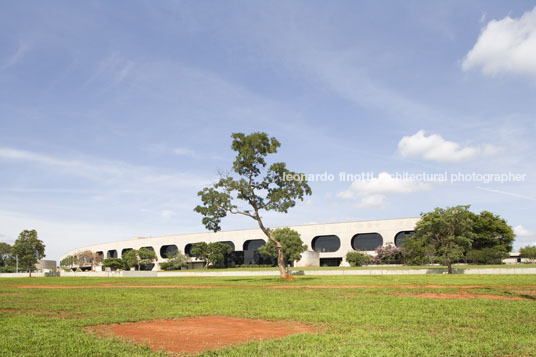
6 256
29 249
358 258
68 261
211 253
176 260
138 258
446 232
291 242
145 257
261 189
529 253
113 263
490 231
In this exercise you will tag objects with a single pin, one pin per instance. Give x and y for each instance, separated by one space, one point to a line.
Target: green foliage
176 260
138 258
358 258
252 182
29 250
113 263
211 253
529 253
293 246
388 254
68 261
490 231
6 256
444 234
491 255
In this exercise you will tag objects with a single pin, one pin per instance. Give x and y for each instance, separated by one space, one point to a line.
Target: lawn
428 315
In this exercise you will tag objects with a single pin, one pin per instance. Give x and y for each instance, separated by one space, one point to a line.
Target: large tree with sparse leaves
253 187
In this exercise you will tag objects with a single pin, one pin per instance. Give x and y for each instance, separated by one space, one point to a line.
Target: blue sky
114 114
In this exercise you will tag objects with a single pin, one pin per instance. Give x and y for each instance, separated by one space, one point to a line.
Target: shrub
388 255
493 255
358 258
113 263
175 261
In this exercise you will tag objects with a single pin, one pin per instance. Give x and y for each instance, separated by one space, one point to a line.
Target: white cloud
521 231
505 46
373 201
434 147
524 236
372 192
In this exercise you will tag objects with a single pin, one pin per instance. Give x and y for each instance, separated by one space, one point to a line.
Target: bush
358 258
113 263
388 255
493 255
7 269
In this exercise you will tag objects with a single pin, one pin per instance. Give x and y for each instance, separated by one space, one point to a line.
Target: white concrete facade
346 233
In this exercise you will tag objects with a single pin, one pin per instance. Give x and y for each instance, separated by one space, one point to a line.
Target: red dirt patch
197 334
461 296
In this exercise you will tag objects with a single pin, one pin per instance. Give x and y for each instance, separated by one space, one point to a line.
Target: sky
113 115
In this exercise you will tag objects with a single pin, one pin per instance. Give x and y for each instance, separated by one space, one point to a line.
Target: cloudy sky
114 114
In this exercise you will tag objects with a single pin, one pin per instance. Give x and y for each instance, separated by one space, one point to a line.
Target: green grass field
387 320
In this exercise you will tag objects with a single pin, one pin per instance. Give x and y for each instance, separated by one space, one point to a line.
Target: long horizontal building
327 243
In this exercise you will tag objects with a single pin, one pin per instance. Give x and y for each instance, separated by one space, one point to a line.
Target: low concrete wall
148 274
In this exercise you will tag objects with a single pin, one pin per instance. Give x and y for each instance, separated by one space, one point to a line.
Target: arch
167 250
254 244
400 237
229 243
112 253
327 243
125 250
188 249
367 241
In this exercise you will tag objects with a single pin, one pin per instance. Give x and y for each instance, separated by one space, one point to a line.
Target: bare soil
197 334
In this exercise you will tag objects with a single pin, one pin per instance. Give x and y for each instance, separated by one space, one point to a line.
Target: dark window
330 262
167 250
188 249
100 254
322 244
111 254
230 244
253 244
125 250
400 237
366 241
252 255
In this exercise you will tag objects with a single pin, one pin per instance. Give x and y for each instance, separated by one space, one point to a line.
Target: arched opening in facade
167 250
400 237
325 244
367 241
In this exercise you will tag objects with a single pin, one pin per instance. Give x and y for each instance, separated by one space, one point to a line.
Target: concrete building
45 265
327 243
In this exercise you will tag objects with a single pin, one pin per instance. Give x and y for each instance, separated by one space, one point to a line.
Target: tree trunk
449 265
